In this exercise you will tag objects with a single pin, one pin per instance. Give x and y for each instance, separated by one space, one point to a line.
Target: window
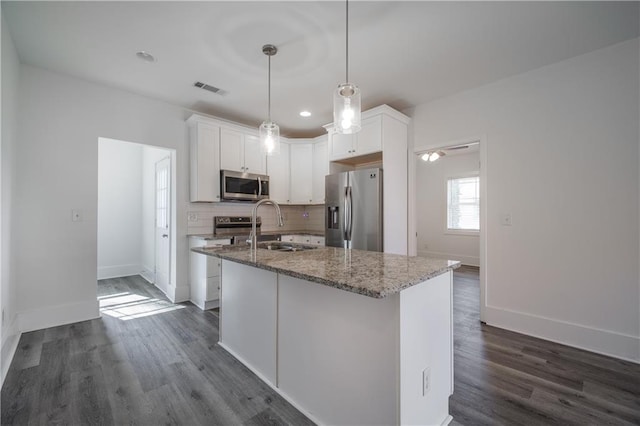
463 203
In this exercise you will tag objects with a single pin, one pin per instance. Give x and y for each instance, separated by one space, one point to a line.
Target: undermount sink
281 246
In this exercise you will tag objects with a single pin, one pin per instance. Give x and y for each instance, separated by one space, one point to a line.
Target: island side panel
426 344
338 353
248 317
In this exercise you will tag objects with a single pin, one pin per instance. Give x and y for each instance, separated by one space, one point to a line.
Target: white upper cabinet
204 148
241 152
369 138
254 158
301 188
278 167
367 141
320 168
296 175
342 146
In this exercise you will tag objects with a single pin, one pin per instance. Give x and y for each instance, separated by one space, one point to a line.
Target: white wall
562 157
8 286
119 208
150 156
431 200
60 120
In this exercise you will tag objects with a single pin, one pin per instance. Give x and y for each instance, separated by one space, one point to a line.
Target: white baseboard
54 316
148 275
465 260
181 294
617 345
117 271
10 339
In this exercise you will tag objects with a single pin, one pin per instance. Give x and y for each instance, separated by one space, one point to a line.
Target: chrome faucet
254 214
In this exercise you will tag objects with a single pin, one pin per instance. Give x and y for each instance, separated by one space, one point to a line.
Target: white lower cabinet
204 275
249 302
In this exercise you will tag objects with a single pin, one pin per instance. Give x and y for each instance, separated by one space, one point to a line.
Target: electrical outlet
505 220
192 216
426 381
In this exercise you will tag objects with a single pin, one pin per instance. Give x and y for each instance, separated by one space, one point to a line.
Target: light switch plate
505 220
76 215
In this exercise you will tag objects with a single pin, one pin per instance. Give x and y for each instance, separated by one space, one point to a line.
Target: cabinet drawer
213 289
213 266
317 241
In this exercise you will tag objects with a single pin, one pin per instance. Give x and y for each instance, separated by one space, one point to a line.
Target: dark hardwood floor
149 362
145 362
506 378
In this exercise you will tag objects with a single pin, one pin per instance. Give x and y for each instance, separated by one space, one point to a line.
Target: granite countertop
368 273
223 237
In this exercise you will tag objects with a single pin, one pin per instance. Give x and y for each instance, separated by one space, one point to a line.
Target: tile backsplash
296 218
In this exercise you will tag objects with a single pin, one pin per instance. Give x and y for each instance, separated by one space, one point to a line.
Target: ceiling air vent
208 87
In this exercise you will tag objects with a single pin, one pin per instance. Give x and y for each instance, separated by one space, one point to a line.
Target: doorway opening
136 213
449 219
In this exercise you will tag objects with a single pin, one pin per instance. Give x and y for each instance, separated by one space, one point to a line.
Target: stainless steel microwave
238 186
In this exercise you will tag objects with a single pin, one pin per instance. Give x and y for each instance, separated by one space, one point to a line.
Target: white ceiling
401 53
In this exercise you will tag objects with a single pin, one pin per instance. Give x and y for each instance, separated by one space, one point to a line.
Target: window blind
463 203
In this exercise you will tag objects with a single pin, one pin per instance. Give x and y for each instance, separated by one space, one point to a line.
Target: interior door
163 220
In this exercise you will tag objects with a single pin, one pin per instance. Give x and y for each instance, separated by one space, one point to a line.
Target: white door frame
484 201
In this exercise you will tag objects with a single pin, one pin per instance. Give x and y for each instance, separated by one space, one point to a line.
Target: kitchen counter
372 274
315 324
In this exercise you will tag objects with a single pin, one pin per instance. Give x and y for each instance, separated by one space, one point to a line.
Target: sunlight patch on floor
128 306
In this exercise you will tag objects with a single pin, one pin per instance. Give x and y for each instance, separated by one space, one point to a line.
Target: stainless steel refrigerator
353 209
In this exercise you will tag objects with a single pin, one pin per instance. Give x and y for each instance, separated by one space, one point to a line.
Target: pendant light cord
269 92
347 33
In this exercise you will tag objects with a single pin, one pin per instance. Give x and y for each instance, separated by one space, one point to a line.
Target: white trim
446 421
10 339
462 232
465 260
484 202
610 343
117 271
181 293
53 316
148 275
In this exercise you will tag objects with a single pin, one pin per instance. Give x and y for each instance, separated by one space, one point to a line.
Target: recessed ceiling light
145 56
305 114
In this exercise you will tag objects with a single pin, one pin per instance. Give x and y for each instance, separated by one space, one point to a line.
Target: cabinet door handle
165 236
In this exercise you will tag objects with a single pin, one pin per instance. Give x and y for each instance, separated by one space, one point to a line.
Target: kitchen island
346 336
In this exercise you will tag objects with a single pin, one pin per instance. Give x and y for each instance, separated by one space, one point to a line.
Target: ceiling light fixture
346 98
269 131
305 114
145 56
432 155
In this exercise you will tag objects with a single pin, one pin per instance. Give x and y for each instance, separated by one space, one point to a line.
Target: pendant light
346 98
269 131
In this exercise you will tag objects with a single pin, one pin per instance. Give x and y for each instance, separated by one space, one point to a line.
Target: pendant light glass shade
346 98
346 108
269 131
270 138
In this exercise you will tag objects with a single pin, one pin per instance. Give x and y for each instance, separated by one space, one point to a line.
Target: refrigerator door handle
348 213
